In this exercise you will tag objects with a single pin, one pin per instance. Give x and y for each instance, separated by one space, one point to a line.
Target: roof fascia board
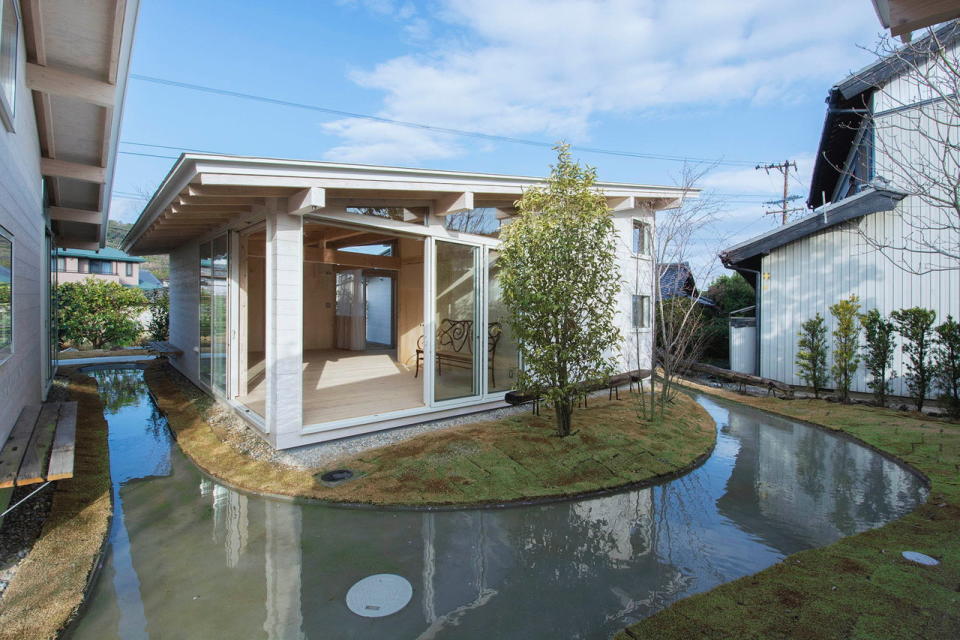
864 203
180 175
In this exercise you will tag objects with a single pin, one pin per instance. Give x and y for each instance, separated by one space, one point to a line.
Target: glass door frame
479 319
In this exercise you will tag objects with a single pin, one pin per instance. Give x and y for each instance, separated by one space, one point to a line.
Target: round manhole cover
379 595
920 558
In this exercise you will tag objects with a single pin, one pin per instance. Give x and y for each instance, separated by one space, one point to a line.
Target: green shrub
99 313
878 353
947 364
845 341
812 353
158 326
916 327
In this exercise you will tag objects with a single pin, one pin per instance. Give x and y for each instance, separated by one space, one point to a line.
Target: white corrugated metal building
868 207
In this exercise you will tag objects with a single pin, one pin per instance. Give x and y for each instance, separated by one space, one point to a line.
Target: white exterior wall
185 308
22 375
809 275
636 277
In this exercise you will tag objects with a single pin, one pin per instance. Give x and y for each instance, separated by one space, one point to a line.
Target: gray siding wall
185 307
22 378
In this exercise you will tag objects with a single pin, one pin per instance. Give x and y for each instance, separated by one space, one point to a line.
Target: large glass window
6 294
501 347
455 321
213 313
9 35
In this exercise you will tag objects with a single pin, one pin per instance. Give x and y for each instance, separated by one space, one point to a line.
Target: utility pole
784 168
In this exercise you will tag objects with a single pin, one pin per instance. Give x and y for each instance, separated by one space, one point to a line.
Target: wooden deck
339 384
41 446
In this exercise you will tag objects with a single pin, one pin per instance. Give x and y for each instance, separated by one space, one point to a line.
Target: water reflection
191 558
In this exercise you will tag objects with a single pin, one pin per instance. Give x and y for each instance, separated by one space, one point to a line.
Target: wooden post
284 339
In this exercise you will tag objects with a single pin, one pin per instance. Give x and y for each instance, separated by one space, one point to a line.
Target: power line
427 127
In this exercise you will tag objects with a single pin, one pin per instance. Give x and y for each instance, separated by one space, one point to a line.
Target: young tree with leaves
560 282
158 326
99 313
846 338
947 358
811 358
916 327
878 353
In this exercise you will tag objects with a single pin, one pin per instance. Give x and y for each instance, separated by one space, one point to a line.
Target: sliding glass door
456 291
214 271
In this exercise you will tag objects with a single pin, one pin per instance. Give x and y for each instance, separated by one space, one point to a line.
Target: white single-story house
323 300
63 70
871 231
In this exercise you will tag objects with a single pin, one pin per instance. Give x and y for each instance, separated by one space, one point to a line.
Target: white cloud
548 68
751 180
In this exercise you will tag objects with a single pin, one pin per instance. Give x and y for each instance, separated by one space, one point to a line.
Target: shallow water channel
189 558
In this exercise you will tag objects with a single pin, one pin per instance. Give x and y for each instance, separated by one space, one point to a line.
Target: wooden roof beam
66 214
453 203
73 170
58 82
307 200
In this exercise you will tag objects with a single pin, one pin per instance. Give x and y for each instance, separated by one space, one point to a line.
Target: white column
284 348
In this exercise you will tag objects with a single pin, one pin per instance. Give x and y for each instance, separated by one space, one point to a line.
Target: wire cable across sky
433 128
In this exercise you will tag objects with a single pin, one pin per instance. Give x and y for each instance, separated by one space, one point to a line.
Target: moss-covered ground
512 459
859 587
52 580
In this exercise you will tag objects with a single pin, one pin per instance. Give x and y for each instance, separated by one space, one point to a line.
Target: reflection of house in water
819 486
624 520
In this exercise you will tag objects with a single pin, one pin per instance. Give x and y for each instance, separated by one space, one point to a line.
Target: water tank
743 345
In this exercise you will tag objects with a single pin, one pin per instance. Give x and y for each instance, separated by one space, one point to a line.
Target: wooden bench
454 345
41 446
164 349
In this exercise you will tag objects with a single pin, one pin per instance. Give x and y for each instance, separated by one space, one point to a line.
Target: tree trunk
564 410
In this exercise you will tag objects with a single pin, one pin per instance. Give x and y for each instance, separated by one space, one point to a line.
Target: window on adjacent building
641 312
6 294
129 269
641 238
101 267
61 264
9 35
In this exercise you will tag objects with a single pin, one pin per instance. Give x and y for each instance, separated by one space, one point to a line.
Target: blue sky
738 81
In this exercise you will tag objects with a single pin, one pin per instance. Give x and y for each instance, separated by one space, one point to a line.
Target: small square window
9 45
641 312
641 238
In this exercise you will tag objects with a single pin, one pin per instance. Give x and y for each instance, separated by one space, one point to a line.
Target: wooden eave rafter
49 83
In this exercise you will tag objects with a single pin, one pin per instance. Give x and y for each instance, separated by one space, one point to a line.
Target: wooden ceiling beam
58 82
238 191
67 214
73 170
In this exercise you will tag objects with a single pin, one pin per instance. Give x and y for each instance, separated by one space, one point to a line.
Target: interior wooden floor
340 384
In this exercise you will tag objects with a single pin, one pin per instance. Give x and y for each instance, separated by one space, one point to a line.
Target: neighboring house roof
849 102
873 199
148 281
676 280
107 253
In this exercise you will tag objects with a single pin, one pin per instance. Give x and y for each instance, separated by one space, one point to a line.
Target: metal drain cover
379 595
920 558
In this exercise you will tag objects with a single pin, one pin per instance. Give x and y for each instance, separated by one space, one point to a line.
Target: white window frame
8 353
128 269
642 313
647 236
8 107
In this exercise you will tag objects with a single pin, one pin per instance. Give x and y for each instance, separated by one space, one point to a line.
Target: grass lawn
858 587
52 580
510 459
